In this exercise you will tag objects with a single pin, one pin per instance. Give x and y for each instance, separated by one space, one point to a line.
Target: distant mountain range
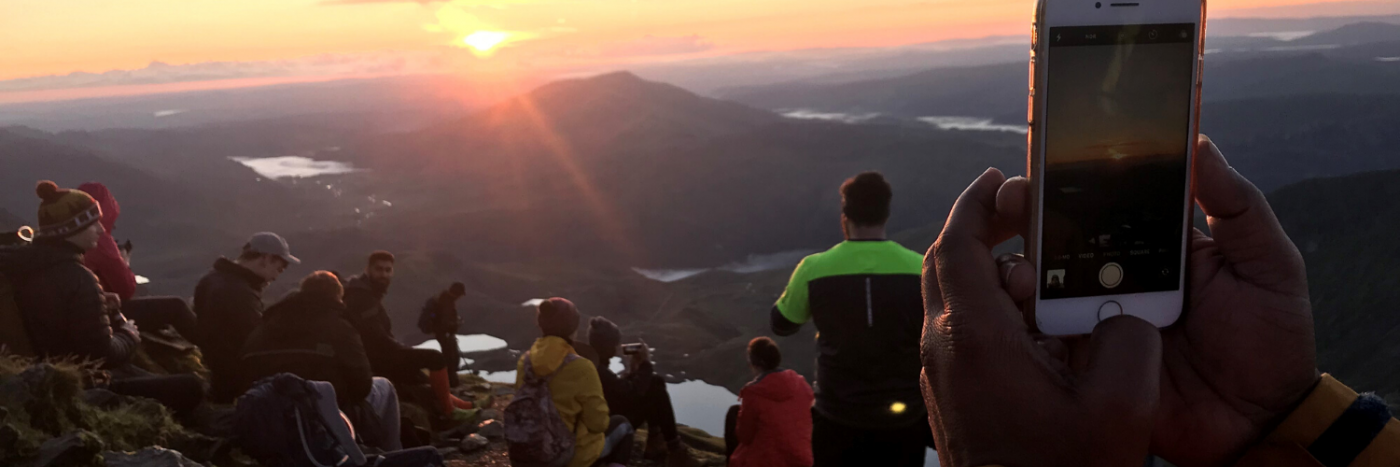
563 190
1347 228
1343 60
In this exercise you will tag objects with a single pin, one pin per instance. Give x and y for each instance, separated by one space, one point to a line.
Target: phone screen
1118 115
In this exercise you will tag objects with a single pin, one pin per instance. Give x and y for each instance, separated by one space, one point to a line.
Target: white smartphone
1113 111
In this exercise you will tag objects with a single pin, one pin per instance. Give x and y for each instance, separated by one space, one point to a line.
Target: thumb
1243 224
1122 379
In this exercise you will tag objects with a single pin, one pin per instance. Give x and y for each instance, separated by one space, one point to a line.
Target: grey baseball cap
269 243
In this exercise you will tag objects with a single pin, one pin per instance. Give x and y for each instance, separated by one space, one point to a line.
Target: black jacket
310 338
624 392
228 304
364 306
61 303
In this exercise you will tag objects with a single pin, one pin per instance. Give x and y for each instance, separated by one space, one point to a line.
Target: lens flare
484 41
897 408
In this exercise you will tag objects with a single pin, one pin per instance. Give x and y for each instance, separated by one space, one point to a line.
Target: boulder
76 449
149 457
491 429
473 443
491 414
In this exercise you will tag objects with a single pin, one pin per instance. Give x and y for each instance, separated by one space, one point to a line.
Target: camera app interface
1116 149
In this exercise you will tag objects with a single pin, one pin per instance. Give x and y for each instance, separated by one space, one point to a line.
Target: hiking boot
656 448
678 455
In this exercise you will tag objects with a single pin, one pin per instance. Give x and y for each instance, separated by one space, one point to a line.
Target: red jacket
105 260
775 422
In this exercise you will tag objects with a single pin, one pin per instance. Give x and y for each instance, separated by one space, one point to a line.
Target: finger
1125 359
1017 277
1243 224
1013 205
966 273
1122 383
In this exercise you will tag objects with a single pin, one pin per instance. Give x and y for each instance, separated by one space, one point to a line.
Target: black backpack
279 424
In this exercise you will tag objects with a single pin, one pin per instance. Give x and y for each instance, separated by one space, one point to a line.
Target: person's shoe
464 415
656 448
678 455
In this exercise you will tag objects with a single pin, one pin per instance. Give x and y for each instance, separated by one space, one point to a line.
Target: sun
484 41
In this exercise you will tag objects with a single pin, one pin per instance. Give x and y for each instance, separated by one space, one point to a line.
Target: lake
294 166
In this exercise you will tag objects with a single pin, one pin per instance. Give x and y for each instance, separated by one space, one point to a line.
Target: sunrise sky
40 38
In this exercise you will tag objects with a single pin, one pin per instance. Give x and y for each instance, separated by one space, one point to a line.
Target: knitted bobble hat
64 212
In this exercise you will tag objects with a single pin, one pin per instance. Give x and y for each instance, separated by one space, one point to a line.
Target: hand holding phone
997 395
1243 354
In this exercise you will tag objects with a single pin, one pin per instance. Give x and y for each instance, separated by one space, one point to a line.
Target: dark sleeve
354 364
781 325
640 380
89 328
244 311
359 304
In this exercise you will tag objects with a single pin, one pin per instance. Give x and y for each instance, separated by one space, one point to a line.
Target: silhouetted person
228 306
364 306
863 295
65 312
439 318
638 393
112 265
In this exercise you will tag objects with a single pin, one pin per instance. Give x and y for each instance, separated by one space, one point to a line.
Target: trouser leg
181 393
158 312
660 415
731 433
451 356
384 407
617 445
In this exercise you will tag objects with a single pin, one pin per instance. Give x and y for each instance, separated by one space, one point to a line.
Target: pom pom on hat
48 191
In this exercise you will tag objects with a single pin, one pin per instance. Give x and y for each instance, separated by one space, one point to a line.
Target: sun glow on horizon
484 41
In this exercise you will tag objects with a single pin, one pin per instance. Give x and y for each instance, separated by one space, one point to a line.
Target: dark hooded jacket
106 260
62 304
228 306
364 305
775 422
309 337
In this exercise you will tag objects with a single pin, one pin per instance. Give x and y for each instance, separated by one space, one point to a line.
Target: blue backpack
281 422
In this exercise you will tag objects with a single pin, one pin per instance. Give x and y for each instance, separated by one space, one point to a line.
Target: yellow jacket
1317 428
577 394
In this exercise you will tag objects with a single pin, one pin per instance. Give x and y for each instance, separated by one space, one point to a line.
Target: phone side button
1109 309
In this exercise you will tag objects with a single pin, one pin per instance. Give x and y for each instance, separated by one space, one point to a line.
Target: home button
1109 309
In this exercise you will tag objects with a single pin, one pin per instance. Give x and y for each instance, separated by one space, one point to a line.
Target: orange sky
55 37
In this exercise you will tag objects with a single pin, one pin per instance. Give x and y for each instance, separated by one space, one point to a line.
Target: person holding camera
638 393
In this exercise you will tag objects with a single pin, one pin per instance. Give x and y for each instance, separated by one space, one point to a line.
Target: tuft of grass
43 400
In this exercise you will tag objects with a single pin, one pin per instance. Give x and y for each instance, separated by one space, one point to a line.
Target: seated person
600 439
772 425
306 335
112 265
66 313
404 365
638 394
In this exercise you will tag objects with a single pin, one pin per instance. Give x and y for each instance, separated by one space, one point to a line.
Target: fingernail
1006 268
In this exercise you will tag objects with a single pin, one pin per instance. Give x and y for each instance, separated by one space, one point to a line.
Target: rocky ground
51 417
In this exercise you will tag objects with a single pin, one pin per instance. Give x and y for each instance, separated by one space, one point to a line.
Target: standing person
67 315
113 270
638 393
439 318
364 306
772 425
864 297
228 306
306 334
599 438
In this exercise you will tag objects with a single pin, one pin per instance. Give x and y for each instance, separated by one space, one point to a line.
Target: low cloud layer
163 73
